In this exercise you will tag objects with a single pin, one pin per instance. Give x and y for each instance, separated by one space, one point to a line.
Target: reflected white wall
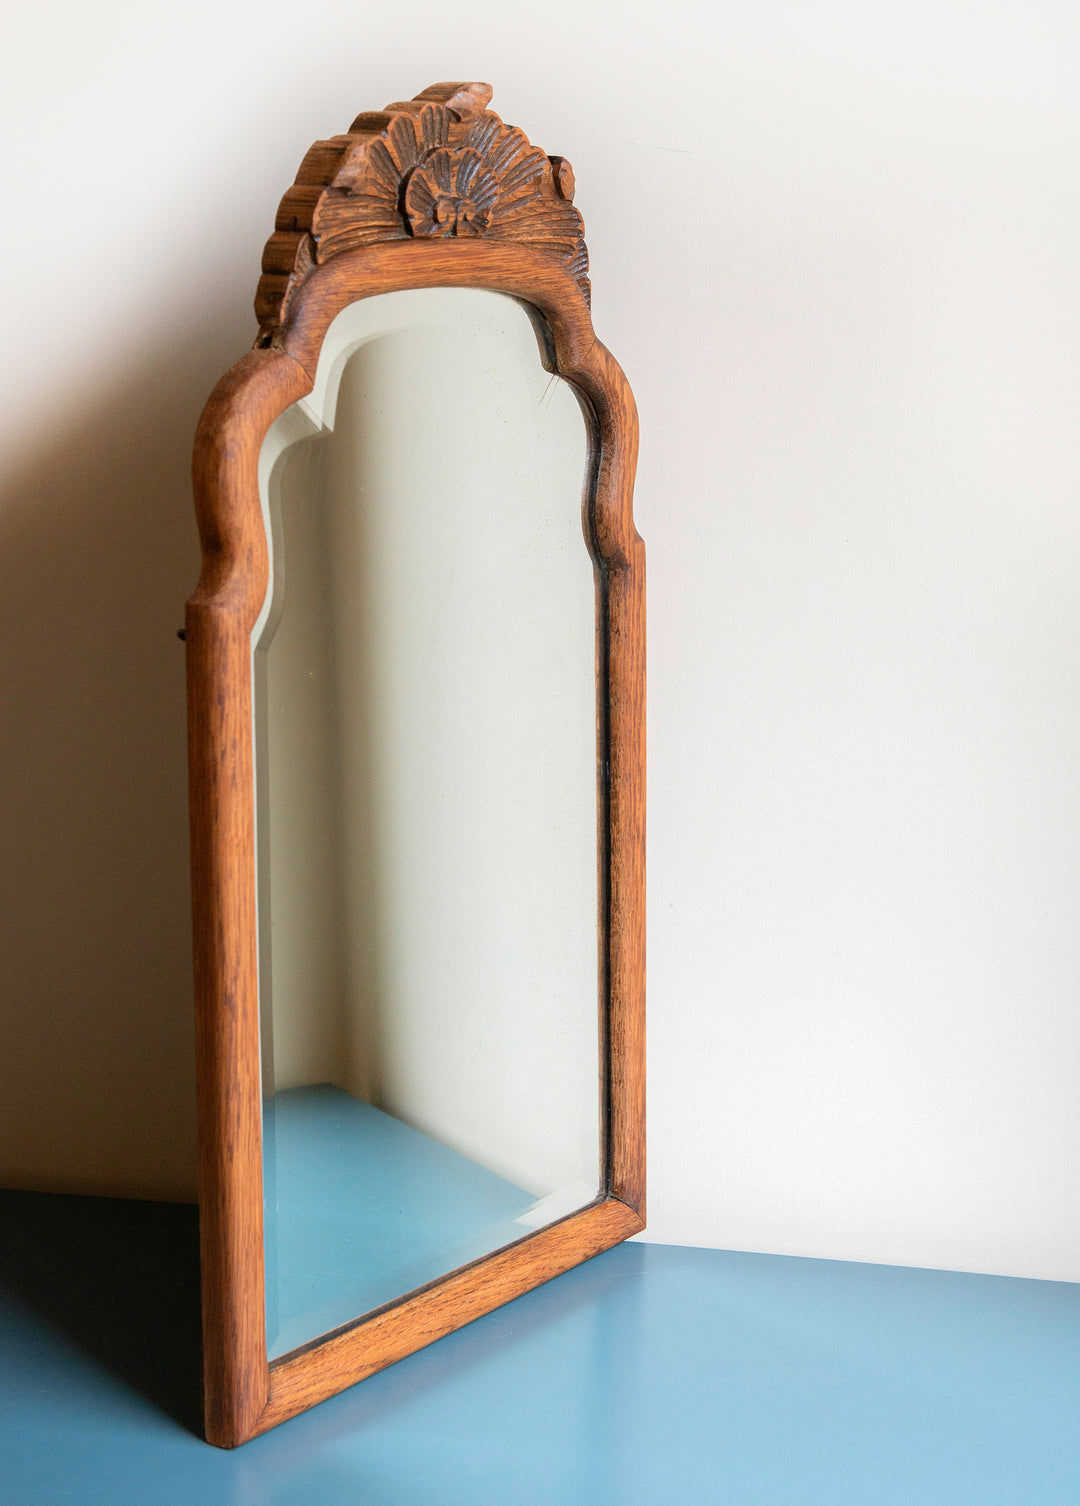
429 830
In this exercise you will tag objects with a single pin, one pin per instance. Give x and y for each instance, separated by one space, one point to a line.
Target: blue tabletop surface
653 1374
360 1209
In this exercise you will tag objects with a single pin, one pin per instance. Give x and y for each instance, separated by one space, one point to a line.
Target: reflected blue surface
360 1209
652 1376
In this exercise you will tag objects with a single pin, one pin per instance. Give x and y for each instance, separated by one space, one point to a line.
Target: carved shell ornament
450 193
438 166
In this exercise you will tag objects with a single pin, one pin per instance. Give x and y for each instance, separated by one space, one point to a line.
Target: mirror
416 739
425 711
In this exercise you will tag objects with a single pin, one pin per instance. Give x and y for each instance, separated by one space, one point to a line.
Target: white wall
835 248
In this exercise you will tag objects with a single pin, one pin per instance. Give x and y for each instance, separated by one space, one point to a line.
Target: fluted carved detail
439 166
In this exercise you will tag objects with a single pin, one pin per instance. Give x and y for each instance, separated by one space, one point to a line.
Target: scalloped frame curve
460 214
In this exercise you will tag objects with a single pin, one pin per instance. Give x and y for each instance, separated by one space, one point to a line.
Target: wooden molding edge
218 625
299 1382
438 167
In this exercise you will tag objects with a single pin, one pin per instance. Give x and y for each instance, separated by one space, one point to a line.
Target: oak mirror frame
432 192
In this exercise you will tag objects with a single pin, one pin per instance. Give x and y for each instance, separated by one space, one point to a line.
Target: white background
835 247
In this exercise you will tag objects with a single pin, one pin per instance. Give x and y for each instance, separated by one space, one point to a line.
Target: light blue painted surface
652 1376
360 1209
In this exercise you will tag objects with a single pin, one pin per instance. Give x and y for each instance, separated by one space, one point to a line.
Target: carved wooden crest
440 165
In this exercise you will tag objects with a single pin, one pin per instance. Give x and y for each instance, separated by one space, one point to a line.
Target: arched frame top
244 1393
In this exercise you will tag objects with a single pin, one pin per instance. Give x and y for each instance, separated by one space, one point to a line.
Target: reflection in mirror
426 809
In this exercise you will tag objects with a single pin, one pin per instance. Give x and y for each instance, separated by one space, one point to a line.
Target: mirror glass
425 731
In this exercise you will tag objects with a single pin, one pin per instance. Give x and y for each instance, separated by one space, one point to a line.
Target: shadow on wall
98 553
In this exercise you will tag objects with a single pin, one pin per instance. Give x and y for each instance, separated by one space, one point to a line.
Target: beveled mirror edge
341 1360
244 1394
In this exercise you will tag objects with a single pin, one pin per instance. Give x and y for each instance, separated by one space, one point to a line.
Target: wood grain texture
439 166
245 1395
218 626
